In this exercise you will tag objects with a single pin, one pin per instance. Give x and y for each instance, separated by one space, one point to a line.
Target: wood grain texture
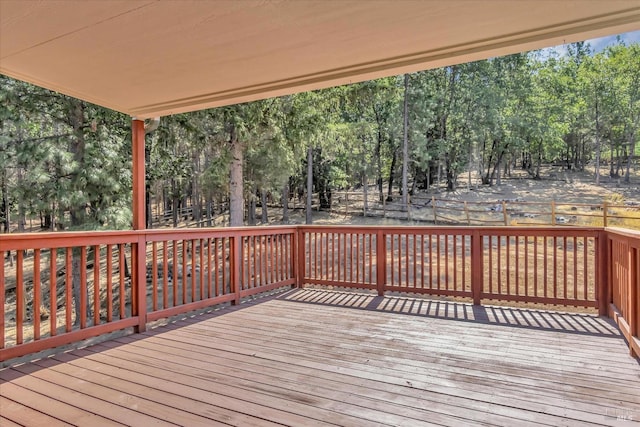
316 357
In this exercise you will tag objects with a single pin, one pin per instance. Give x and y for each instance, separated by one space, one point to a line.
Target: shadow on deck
303 357
576 323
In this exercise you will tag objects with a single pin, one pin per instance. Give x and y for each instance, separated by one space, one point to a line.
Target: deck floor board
316 357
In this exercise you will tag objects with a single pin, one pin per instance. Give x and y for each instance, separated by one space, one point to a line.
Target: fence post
477 273
381 261
504 213
605 207
384 206
603 264
466 211
346 203
553 212
234 268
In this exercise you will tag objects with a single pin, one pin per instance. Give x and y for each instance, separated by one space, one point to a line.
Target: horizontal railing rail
58 288
71 286
66 287
549 265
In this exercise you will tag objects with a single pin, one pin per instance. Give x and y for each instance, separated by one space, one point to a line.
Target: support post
138 162
139 223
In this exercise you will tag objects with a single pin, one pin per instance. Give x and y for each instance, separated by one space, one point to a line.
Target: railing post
634 300
294 257
234 268
301 258
603 265
381 261
139 303
477 275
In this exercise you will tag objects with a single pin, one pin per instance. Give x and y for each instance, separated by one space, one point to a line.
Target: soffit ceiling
153 58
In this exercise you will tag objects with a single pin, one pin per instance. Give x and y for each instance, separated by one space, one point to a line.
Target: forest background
67 164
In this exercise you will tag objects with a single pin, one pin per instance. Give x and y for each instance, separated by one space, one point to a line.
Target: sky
599 44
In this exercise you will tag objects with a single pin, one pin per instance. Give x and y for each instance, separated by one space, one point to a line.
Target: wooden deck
315 357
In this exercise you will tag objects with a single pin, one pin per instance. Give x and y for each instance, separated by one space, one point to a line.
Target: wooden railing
556 266
56 272
67 287
623 247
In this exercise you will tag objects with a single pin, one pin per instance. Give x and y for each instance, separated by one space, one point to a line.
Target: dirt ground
557 185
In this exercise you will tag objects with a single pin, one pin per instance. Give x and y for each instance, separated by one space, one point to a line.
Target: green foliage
70 160
65 159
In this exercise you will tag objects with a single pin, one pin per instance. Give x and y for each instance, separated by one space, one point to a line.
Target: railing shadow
153 328
574 323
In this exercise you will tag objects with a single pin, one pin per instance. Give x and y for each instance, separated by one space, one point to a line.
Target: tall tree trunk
166 202
309 215
632 147
195 191
175 203
379 165
394 159
365 192
236 205
539 165
598 143
20 184
405 145
5 210
148 205
612 172
22 217
469 166
583 152
209 204
147 187
285 203
77 211
251 217
263 202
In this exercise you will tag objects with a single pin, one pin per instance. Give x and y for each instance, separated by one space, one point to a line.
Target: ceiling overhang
153 58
